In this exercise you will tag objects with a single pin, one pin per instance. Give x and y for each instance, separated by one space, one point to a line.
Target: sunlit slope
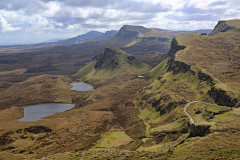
217 55
226 26
197 68
143 43
110 63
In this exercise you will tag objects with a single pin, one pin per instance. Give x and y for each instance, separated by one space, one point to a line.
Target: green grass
113 62
112 139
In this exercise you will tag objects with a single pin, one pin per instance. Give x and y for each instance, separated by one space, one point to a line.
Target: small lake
81 86
36 112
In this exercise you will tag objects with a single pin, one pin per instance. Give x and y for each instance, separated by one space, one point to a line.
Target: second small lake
36 112
81 86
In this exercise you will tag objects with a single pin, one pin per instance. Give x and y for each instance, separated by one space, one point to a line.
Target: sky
33 21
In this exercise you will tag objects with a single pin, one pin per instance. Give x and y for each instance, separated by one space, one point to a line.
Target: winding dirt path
190 118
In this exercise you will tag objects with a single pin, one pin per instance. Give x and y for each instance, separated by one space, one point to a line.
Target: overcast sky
40 20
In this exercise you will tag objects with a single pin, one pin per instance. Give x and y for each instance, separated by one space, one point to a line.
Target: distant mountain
105 35
110 63
52 40
200 31
81 38
226 26
143 43
90 36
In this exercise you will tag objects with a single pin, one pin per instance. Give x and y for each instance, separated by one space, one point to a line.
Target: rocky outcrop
174 65
204 77
200 130
125 33
221 98
167 106
6 139
175 47
177 67
110 60
106 60
219 27
38 129
223 26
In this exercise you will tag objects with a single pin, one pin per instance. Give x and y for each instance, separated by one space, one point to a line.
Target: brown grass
217 55
106 108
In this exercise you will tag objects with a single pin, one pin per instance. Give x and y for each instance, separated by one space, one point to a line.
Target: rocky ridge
110 63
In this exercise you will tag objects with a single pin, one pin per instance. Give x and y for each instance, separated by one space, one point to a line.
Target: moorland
127 116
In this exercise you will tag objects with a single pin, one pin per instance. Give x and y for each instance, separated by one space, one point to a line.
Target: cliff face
177 66
221 98
175 47
200 130
110 63
112 58
219 27
125 33
106 60
224 26
174 65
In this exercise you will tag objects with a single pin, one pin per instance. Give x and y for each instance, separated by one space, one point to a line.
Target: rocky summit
111 63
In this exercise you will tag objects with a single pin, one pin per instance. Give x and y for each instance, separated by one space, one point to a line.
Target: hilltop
110 63
130 117
89 36
226 26
143 43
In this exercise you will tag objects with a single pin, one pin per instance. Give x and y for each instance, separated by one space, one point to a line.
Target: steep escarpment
181 62
130 31
220 97
175 47
226 26
181 78
143 43
110 63
215 57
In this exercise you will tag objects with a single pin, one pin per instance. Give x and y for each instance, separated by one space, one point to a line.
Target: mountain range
185 104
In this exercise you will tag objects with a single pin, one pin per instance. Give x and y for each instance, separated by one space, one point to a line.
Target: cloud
6 27
194 17
127 5
218 3
66 18
95 25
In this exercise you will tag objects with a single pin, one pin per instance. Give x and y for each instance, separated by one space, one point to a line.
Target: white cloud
63 18
6 27
53 8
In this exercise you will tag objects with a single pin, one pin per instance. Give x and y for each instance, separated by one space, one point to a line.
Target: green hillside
127 117
226 26
110 63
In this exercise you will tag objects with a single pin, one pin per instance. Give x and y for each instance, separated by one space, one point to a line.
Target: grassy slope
104 117
124 66
160 107
161 103
146 44
215 55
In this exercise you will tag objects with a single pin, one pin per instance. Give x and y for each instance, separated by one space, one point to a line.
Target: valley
157 94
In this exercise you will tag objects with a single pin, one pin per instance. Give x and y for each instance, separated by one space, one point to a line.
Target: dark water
81 86
35 112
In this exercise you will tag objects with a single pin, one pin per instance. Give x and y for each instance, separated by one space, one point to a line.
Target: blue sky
32 21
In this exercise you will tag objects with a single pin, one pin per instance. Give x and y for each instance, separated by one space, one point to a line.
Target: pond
36 112
81 86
